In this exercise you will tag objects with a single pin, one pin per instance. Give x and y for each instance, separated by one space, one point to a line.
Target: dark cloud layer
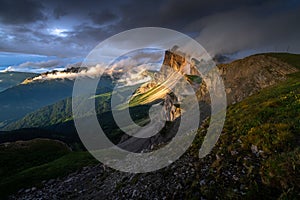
103 17
73 28
20 11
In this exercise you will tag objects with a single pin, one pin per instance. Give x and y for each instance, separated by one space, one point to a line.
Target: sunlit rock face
176 62
175 66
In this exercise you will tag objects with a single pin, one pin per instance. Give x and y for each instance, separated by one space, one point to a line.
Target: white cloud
58 32
8 69
36 67
91 72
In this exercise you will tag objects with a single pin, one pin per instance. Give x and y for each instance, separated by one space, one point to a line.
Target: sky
41 35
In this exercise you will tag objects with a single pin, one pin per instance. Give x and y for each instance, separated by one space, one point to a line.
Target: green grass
193 79
57 113
269 121
46 159
282 171
107 94
292 59
18 156
142 99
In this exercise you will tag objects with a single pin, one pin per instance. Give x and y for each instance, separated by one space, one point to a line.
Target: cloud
42 64
127 70
21 11
91 72
227 27
189 10
103 17
59 12
250 29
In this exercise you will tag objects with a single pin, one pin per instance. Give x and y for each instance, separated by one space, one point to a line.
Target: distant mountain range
10 79
22 99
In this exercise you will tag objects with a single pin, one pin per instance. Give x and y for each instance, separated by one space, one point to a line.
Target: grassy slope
292 59
61 111
35 175
27 164
18 156
14 157
260 144
57 119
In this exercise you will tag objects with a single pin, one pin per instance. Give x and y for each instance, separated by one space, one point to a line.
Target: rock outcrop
248 76
174 62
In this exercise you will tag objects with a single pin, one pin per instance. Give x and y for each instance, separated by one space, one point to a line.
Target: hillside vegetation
292 59
258 152
10 79
22 155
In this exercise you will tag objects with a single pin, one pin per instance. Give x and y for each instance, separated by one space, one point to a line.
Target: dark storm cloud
270 27
86 35
59 12
72 28
20 11
103 17
176 13
189 10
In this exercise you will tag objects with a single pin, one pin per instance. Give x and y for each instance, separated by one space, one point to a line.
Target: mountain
242 78
22 99
10 79
256 157
245 77
58 117
56 122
